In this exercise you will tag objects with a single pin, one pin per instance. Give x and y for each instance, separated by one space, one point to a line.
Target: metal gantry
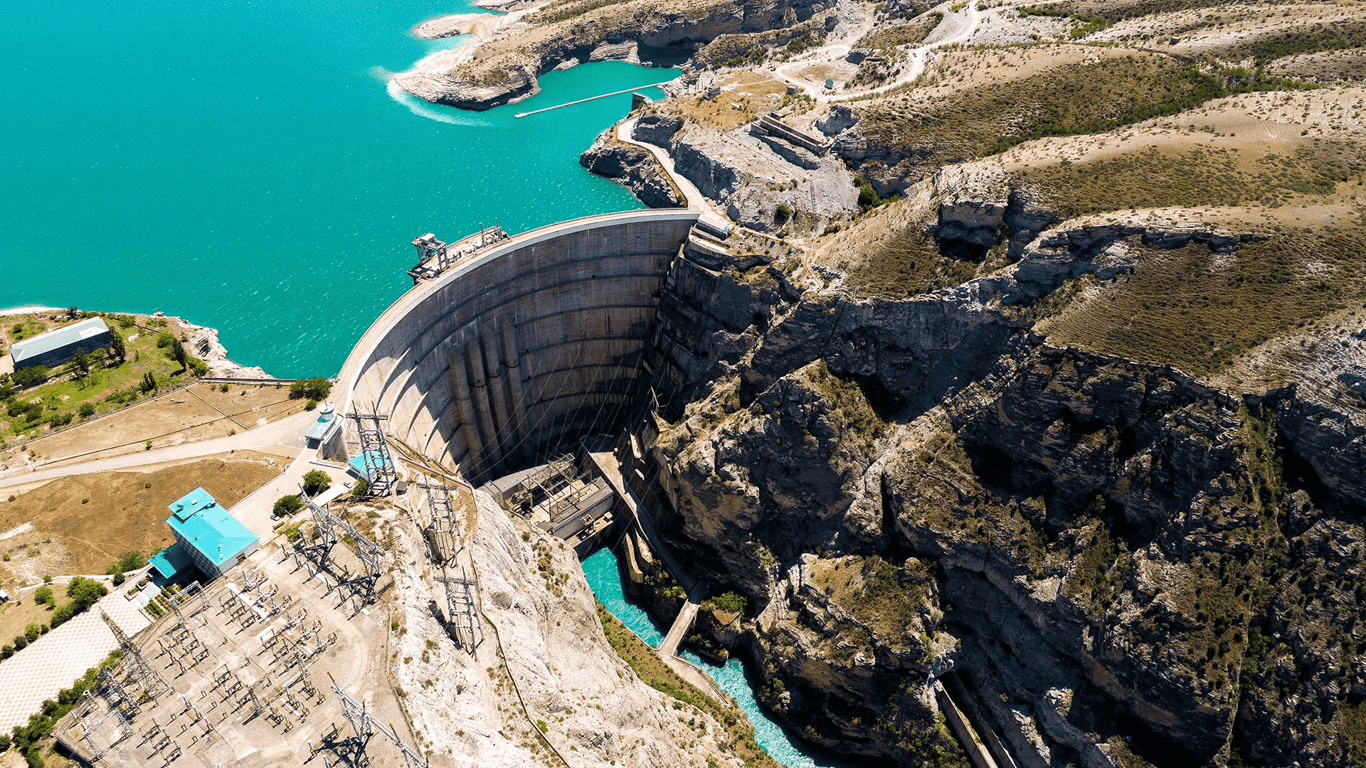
442 542
330 528
374 451
139 672
461 614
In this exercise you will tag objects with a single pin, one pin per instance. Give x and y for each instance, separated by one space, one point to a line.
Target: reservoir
241 163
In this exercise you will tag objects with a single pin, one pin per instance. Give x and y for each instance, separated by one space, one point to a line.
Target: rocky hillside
1037 373
1066 403
1127 564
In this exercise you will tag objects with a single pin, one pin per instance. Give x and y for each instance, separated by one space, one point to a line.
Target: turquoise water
604 576
242 164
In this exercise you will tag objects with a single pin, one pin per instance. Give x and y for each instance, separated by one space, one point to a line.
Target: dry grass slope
1198 311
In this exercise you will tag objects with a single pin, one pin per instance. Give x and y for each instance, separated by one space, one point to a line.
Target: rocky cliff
635 168
1124 564
567 33
543 663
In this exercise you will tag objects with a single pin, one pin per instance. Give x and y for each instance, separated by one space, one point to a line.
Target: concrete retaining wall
536 339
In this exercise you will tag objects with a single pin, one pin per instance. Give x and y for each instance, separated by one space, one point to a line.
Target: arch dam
520 346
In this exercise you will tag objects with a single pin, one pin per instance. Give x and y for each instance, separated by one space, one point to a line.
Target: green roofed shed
60 345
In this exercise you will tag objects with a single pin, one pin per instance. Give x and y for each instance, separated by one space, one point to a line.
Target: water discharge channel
604 577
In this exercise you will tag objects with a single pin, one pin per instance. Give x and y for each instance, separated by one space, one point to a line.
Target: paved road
696 200
287 432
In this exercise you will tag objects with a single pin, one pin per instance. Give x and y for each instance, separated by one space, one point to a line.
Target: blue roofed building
56 347
361 463
207 537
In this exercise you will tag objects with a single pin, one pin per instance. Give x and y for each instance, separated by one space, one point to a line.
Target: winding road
956 27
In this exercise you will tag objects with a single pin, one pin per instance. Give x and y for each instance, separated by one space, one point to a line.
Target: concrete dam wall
529 341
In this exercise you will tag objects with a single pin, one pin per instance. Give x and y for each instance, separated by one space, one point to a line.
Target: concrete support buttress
479 398
464 411
514 382
502 411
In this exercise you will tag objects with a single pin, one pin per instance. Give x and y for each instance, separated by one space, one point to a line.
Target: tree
81 363
63 614
42 595
32 632
118 346
361 488
316 482
179 354
129 561
25 377
20 642
316 388
287 505
84 592
149 382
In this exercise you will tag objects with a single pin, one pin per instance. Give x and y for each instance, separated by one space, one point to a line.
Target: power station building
206 536
56 347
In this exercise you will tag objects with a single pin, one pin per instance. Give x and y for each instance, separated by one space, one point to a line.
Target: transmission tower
138 670
460 611
442 543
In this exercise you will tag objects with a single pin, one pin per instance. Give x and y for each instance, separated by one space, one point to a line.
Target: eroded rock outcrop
1124 564
635 168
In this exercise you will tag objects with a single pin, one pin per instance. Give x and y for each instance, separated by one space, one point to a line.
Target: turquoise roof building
212 539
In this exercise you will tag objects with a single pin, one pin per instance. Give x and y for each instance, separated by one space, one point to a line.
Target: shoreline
203 340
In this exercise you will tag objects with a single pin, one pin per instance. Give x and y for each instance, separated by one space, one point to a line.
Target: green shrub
165 339
43 595
316 388
87 410
361 488
316 481
32 632
287 505
729 602
20 642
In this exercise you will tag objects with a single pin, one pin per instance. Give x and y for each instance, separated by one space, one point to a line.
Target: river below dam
603 572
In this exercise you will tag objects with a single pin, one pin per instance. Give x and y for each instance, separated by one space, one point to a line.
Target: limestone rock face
749 174
839 118
1119 561
544 649
641 32
635 168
